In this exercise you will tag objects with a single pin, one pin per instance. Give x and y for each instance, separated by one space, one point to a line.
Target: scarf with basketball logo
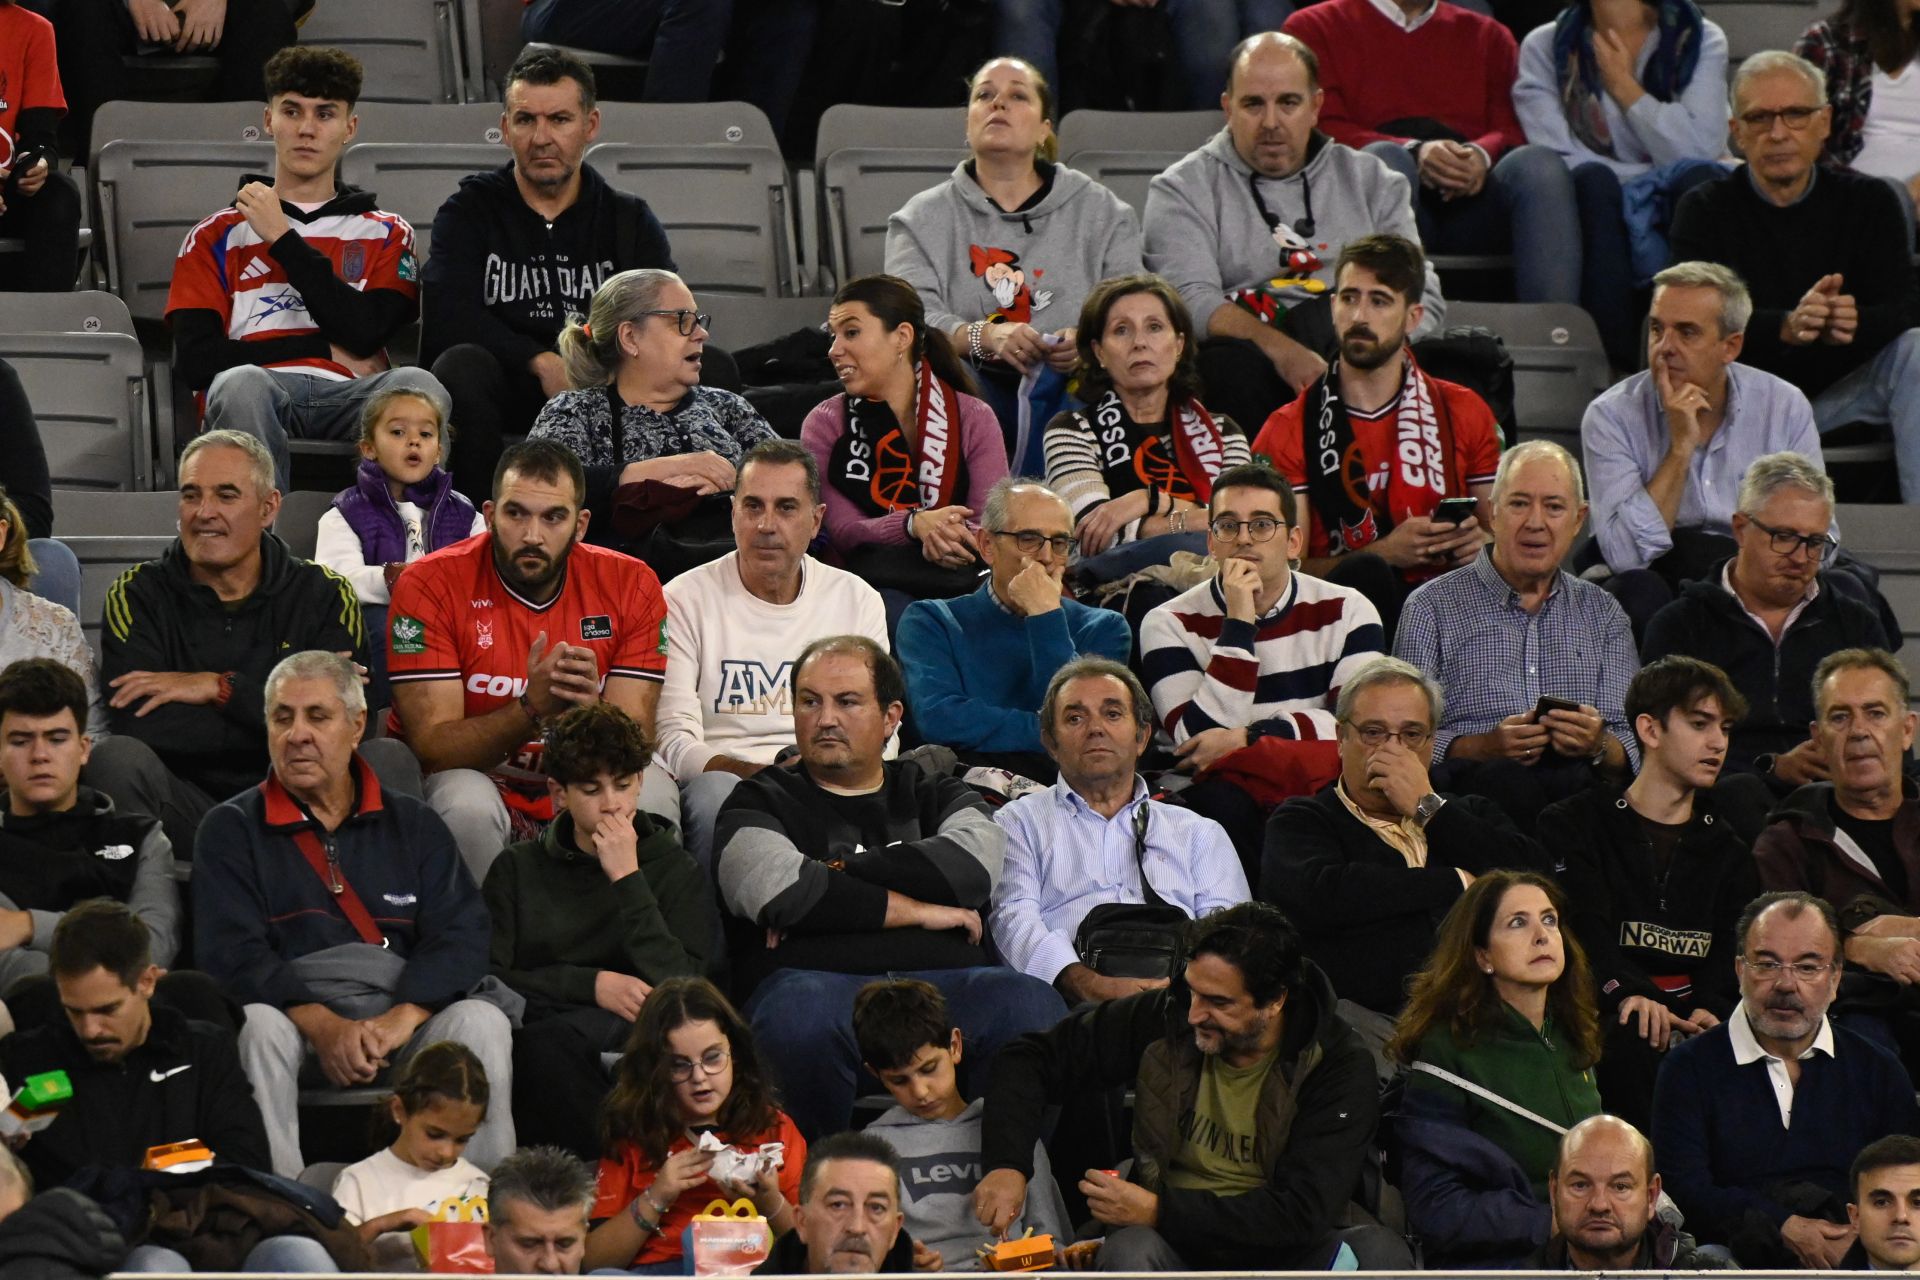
880 471
1135 456
1338 485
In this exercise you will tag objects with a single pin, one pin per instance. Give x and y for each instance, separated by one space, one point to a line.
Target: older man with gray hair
1370 865
1769 614
340 914
537 1208
1665 449
1827 251
977 665
1091 838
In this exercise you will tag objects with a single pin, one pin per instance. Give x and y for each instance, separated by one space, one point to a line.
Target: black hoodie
504 277
51 862
159 619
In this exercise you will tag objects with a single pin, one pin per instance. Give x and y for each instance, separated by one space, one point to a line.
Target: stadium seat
669 124
79 513
726 211
1125 173
102 560
863 187
412 179
80 311
1753 27
1886 537
489 42
150 195
848 126
473 122
89 397
745 322
1176 131
409 50
1559 364
298 523
175 122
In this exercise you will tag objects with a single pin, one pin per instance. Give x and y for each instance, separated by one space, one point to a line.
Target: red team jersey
453 618
29 73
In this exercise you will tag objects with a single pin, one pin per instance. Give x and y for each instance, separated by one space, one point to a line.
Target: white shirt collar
1747 1049
1793 614
1398 16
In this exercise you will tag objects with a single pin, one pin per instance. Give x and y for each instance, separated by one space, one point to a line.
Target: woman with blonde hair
1500 1035
32 626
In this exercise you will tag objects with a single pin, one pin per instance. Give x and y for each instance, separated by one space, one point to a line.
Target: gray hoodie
1206 235
971 261
939 1168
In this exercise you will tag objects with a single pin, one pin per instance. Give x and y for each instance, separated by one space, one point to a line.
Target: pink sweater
980 438
1458 68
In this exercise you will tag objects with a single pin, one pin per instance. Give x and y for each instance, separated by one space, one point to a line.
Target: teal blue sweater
976 674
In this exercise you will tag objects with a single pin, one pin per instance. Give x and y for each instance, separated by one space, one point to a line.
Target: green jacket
557 922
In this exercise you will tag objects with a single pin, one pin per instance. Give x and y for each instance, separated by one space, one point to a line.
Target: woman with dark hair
908 454
1867 51
1140 461
1500 1035
690 1068
1632 94
1006 250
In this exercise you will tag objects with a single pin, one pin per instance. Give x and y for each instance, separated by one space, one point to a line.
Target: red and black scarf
1337 480
873 465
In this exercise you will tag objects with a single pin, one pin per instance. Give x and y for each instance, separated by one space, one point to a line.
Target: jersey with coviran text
454 618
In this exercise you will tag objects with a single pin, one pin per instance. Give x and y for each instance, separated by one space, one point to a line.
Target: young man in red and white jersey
492 637
282 303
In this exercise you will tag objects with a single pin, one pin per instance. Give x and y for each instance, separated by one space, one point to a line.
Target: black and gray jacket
51 861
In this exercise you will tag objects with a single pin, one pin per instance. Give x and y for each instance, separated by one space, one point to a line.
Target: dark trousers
49 221
1521 790
1607 288
1244 818
1238 380
558 1082
490 403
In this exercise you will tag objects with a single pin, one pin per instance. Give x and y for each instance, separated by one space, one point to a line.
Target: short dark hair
1856 659
779 452
595 739
545 1178
101 934
547 460
1679 683
1256 475
850 1145
1090 668
1882 1153
43 687
1095 381
1801 901
313 71
544 64
889 686
894 1020
1395 262
1256 939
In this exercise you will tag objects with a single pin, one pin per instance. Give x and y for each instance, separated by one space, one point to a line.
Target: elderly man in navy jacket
341 915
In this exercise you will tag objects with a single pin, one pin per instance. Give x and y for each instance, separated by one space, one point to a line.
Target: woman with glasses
1499 1038
908 454
690 1073
637 414
1139 463
1632 95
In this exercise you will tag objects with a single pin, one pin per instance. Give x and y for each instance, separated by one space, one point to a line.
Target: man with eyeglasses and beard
1255 652
1757 1122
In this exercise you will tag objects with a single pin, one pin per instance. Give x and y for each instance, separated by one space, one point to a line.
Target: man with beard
1885 1208
490 638
1757 1121
1368 497
1255 1107
1666 449
1604 1193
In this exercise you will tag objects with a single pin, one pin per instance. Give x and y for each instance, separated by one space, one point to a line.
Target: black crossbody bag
1135 939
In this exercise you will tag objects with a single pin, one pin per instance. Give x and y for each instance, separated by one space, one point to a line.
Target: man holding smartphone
1394 481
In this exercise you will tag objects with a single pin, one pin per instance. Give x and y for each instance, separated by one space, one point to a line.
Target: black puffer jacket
59 1235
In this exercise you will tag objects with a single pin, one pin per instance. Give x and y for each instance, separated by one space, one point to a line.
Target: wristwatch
1429 805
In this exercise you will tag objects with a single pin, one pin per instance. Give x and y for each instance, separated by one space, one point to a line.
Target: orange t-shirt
626 1173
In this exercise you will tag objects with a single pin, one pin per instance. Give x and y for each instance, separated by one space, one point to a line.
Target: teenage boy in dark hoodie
586 920
1657 878
518 248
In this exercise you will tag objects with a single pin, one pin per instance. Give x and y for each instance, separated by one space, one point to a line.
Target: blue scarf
1668 71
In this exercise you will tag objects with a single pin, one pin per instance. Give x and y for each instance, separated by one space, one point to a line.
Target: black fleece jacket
1709 623
1284 1225
1365 916
1637 922
504 277
159 619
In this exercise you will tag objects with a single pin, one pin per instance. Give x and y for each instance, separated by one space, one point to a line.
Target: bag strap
356 911
1482 1092
1141 815
616 408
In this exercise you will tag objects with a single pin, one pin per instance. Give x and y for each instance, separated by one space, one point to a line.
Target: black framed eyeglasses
1260 528
1786 542
687 320
711 1063
1797 118
1031 540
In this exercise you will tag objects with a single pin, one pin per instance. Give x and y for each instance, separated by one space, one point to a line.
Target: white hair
227 438
1777 60
1736 304
1514 458
318 664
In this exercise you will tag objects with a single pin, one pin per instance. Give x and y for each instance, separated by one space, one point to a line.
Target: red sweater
1457 67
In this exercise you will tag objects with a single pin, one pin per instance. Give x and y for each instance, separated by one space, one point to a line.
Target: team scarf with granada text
873 465
1337 482
1195 439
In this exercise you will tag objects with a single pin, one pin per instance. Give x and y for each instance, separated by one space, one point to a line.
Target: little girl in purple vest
402 504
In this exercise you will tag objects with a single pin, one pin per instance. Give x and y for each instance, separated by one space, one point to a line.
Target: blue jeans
1607 287
802 1020
57 576
1204 33
272 404
1884 389
296 1254
1526 208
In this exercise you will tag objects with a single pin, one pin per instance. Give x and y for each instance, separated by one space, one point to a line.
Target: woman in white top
1632 94
1867 52
34 627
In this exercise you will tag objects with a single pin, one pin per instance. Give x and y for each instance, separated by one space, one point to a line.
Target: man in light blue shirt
1665 449
1082 843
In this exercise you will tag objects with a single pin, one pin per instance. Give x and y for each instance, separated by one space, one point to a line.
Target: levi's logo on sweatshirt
941 1173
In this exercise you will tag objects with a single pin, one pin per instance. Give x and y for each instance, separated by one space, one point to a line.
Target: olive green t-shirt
1217 1137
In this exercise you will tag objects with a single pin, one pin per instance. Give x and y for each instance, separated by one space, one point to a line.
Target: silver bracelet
976 346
